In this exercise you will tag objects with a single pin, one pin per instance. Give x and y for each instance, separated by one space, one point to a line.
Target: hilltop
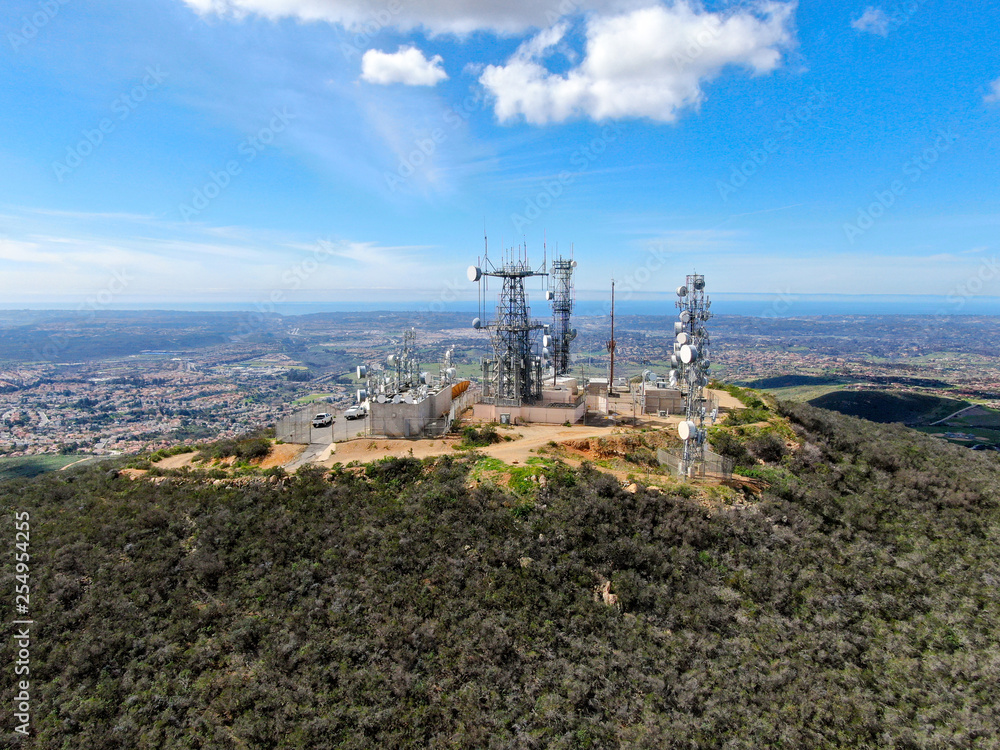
419 603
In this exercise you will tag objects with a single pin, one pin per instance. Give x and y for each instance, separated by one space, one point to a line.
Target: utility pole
612 343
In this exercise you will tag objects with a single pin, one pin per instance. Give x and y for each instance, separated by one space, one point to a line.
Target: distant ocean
752 305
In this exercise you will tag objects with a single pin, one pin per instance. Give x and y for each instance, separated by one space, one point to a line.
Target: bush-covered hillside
852 605
882 406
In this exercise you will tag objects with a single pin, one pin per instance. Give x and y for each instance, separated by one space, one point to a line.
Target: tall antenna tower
514 375
561 295
691 362
612 344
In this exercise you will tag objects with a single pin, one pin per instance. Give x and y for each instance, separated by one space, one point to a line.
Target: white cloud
454 16
71 256
649 62
408 65
873 20
994 96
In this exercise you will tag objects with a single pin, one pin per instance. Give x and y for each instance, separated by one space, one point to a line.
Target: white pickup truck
323 420
356 412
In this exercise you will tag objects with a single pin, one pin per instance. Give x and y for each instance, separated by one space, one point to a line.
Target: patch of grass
311 398
25 467
487 463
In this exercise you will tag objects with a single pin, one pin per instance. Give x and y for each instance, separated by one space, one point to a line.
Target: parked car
355 412
323 420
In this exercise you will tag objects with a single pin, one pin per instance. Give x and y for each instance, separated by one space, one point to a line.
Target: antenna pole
612 344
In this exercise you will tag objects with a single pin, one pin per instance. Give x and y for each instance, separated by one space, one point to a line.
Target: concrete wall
664 399
557 396
542 414
408 420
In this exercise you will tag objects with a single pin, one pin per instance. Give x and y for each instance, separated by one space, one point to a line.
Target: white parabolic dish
687 429
688 354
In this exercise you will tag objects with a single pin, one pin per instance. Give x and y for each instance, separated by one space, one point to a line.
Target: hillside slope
882 406
852 605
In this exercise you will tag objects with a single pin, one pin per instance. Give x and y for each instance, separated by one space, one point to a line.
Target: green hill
882 406
853 604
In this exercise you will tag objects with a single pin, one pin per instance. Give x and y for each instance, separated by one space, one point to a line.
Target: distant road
88 458
952 416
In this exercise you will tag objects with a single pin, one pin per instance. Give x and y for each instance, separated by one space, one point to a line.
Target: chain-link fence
298 428
714 465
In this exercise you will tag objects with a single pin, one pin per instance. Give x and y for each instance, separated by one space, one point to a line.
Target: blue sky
175 152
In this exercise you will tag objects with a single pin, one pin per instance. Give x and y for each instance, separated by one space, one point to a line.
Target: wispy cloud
438 17
872 21
994 95
188 260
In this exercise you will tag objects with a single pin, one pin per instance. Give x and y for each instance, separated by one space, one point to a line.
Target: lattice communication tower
561 296
513 376
690 362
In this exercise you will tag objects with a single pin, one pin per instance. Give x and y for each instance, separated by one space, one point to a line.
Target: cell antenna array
690 362
398 374
513 376
561 296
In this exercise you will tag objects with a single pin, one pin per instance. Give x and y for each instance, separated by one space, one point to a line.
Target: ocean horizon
748 305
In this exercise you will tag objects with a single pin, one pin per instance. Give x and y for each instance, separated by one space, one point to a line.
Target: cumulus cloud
407 65
649 62
872 21
455 16
994 96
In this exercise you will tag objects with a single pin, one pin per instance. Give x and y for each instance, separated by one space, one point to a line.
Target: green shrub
480 438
